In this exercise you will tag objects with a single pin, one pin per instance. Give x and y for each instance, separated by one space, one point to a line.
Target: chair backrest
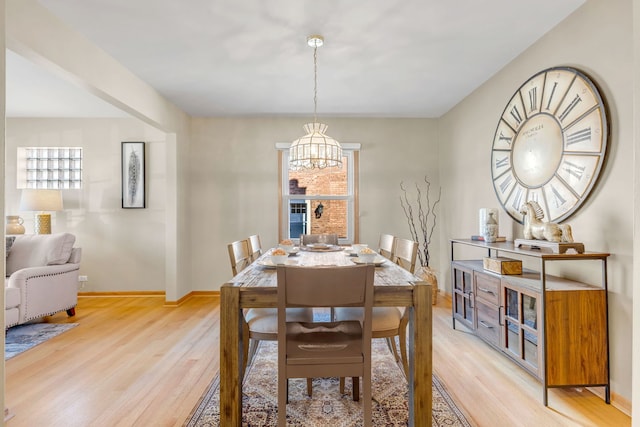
386 245
239 255
255 247
331 239
405 254
345 286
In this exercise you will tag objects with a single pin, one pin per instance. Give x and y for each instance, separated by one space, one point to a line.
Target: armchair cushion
8 244
39 250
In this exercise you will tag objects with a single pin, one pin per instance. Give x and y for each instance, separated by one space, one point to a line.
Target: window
49 167
317 201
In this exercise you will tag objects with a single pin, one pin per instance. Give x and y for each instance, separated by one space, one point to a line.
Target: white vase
483 216
491 229
14 225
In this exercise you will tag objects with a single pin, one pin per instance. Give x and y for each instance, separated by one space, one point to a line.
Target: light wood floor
133 362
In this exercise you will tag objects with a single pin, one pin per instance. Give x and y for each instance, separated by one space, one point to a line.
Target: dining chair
389 322
325 349
385 245
239 255
330 239
405 254
255 247
259 324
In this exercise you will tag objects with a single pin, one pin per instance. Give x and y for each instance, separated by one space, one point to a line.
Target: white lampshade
41 200
38 200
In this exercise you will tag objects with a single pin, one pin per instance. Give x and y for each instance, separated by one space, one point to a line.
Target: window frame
349 150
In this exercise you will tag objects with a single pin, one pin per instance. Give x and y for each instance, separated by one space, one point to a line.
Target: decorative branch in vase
421 218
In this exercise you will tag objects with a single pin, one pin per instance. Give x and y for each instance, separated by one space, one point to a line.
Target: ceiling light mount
315 40
315 149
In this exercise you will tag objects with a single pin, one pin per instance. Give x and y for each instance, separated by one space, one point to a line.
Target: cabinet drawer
487 288
488 323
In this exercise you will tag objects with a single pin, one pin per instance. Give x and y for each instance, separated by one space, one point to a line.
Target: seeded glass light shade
315 149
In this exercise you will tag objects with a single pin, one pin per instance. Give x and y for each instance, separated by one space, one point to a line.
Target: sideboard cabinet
555 328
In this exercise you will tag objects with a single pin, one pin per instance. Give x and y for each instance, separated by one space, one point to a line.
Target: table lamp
41 200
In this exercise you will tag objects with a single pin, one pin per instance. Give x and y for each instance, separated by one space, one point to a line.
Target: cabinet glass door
520 338
512 322
530 329
462 292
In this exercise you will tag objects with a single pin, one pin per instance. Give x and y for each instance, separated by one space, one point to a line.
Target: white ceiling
34 92
381 58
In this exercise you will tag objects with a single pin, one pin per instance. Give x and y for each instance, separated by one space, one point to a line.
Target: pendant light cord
315 84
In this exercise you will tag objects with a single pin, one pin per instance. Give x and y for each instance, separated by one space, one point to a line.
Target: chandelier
315 149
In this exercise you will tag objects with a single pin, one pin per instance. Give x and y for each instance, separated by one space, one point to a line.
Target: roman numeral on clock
533 98
504 185
570 107
579 136
516 115
574 169
553 90
500 163
558 200
517 201
503 137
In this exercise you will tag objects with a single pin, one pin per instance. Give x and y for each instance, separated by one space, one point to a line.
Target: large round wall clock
550 144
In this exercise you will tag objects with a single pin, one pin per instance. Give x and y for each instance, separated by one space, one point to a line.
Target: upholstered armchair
42 276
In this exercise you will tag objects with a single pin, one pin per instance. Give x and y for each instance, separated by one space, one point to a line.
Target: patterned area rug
23 337
327 407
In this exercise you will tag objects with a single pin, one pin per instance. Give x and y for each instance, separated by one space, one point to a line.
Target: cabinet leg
607 394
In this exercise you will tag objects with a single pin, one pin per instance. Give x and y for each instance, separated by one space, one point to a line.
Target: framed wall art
133 173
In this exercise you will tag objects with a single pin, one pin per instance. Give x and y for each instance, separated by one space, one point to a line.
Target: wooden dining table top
263 273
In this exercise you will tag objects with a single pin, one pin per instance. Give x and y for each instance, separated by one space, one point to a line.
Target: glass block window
50 167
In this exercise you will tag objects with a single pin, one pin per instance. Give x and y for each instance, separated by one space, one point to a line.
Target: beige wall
597 39
234 180
123 249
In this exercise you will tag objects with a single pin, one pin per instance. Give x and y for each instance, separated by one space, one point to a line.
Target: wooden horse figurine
535 228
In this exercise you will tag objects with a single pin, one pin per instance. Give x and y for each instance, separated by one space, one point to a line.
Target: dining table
256 287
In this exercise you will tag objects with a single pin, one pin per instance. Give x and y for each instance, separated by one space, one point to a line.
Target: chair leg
367 396
309 387
245 346
283 398
402 337
355 382
391 343
355 389
403 351
253 348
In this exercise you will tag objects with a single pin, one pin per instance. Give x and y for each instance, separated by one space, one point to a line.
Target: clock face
550 144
